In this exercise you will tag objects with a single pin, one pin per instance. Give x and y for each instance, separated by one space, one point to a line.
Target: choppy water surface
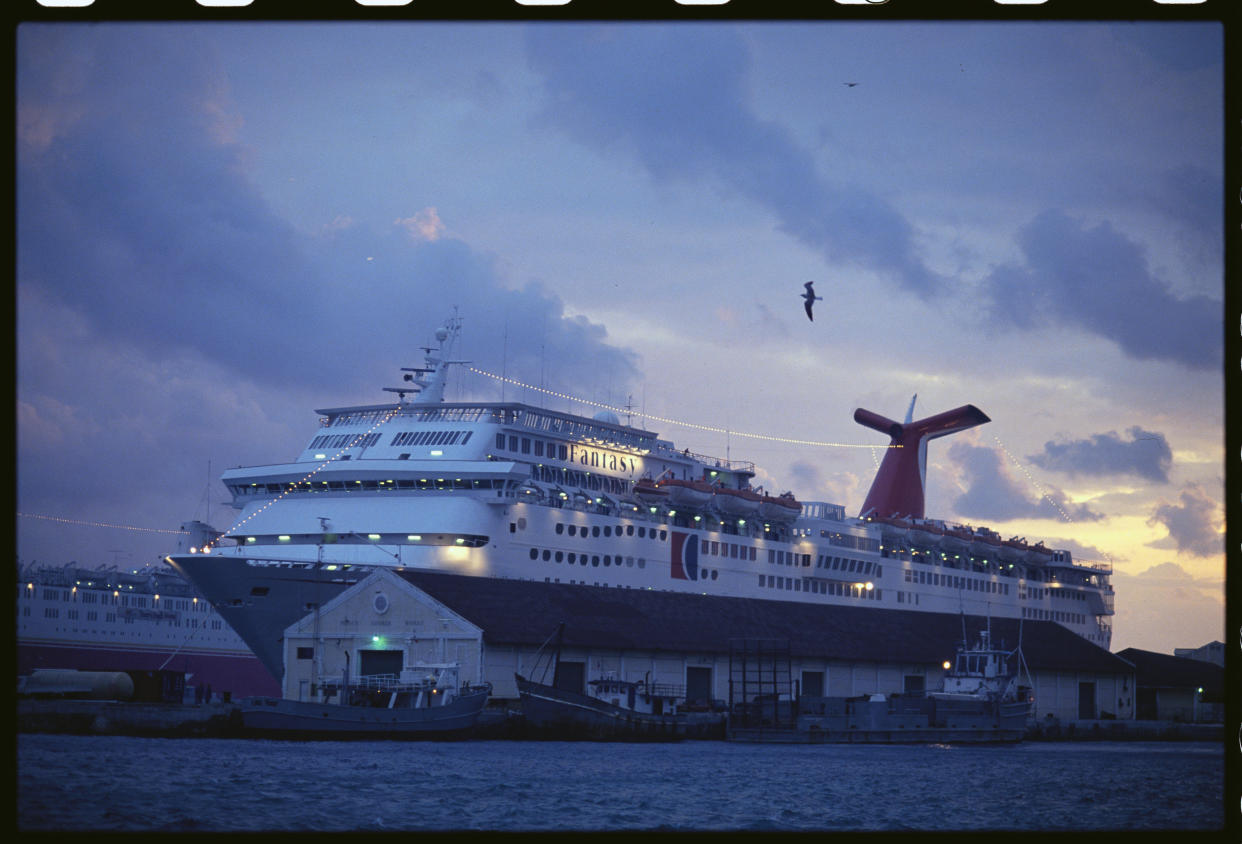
117 783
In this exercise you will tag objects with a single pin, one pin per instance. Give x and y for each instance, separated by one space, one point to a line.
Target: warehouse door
1086 700
698 686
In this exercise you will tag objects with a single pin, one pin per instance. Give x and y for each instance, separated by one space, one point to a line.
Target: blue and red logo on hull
685 556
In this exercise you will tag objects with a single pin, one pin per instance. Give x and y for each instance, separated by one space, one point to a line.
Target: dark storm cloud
1192 524
136 211
993 494
1096 279
675 98
1145 453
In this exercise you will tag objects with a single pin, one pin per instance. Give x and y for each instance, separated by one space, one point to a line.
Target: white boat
511 490
148 619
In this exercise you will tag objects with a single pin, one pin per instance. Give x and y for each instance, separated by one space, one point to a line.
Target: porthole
607 560
595 559
560 555
629 530
573 558
560 528
534 553
642 532
595 530
642 562
573 530
547 555
380 603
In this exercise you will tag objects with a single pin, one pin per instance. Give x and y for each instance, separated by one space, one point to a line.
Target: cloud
993 494
136 212
675 98
1192 525
1097 280
1146 454
1166 607
425 225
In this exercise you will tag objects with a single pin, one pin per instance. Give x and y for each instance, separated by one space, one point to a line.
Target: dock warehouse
493 627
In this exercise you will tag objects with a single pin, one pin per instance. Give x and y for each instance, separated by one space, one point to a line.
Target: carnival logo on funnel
685 556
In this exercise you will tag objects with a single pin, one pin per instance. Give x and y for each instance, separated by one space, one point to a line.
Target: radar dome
607 416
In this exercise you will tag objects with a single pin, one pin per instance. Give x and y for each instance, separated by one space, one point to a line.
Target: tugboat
613 710
434 706
980 701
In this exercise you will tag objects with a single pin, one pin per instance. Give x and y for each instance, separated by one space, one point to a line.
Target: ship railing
1095 565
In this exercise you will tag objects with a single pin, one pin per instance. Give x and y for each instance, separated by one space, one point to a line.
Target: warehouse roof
1162 671
522 612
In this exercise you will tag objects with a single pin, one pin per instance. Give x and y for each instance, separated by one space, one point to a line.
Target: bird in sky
849 84
811 298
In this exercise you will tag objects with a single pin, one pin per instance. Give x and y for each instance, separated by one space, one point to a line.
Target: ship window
629 530
525 445
595 559
534 553
572 558
547 555
306 653
560 555
642 532
642 562
595 530
663 534
539 448
513 443
560 528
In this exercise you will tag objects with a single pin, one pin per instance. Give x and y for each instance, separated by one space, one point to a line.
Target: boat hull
950 719
279 718
564 715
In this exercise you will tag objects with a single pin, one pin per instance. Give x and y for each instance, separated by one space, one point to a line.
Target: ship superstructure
507 489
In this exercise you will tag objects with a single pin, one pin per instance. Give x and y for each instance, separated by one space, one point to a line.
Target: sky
222 227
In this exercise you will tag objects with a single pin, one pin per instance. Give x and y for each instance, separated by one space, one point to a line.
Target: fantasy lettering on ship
595 458
511 490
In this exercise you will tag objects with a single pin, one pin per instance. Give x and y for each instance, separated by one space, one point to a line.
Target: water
137 784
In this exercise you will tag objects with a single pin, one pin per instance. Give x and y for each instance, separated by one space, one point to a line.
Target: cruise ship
512 490
146 619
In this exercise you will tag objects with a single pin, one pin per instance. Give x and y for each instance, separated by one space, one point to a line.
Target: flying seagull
811 298
849 84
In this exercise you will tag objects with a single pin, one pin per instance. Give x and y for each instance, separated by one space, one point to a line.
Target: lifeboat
925 534
649 492
686 493
737 502
780 508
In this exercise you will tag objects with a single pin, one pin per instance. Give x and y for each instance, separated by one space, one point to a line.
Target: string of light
96 524
1030 478
711 428
318 468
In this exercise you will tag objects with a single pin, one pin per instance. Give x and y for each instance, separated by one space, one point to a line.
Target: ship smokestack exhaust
898 488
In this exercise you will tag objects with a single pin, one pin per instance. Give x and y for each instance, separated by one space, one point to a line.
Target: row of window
93 615
848 565
1053 615
970 584
908 598
86 596
587 559
582 480
597 530
431 438
819 587
536 448
713 548
423 484
342 440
